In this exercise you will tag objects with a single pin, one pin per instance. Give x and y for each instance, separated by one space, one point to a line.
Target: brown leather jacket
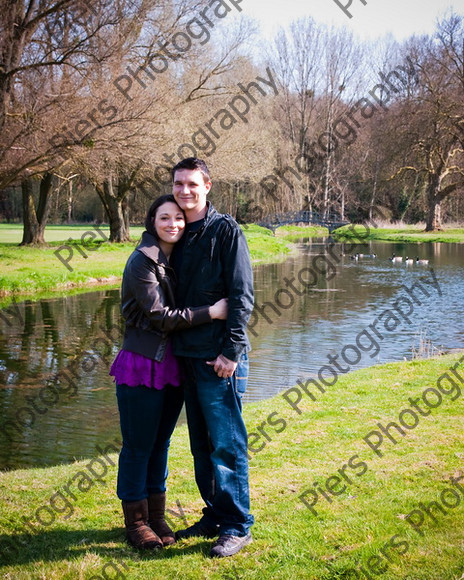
147 302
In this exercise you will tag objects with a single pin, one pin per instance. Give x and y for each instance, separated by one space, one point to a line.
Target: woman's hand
219 310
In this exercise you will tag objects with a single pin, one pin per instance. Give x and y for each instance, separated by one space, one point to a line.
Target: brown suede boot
138 533
156 509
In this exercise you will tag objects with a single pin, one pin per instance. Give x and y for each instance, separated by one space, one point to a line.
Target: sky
401 18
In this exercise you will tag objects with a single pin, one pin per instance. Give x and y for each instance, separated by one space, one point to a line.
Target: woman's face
169 222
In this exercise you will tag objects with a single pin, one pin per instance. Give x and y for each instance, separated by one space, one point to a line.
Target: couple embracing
187 295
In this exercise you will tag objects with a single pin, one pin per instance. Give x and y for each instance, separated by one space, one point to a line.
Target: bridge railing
331 221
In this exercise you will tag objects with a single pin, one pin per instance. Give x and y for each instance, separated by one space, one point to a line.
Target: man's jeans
218 440
148 417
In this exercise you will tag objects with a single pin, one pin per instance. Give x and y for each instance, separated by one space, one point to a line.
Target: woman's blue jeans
218 440
147 417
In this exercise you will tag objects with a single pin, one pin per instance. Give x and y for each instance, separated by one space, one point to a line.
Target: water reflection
57 399
295 328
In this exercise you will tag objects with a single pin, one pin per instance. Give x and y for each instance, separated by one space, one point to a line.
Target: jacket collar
210 213
150 247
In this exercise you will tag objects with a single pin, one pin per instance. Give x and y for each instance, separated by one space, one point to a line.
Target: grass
263 245
401 233
38 271
27 270
363 526
294 233
13 233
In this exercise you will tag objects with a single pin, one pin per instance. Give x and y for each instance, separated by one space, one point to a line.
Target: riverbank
88 260
407 233
366 511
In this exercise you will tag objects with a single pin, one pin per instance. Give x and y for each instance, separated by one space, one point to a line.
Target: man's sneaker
198 530
229 545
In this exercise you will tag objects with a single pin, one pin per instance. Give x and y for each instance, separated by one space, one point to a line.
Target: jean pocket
241 375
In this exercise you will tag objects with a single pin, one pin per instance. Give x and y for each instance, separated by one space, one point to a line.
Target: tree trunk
433 221
126 214
114 208
328 166
118 228
374 189
342 205
45 198
69 200
36 220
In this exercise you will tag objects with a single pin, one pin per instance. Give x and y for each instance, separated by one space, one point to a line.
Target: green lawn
63 264
13 233
370 511
294 233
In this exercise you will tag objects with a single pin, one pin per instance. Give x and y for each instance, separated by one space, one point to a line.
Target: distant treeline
97 104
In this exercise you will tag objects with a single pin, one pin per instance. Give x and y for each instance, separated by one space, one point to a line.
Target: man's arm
238 276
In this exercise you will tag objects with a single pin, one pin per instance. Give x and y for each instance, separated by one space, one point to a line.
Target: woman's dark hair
151 214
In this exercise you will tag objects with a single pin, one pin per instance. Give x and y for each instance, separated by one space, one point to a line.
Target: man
211 261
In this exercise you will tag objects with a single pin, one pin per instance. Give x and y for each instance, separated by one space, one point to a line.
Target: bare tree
160 116
48 54
434 117
58 100
319 71
296 59
342 60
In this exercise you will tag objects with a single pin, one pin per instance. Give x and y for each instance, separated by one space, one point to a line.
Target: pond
317 311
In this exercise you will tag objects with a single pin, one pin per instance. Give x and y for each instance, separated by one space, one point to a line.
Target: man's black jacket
215 264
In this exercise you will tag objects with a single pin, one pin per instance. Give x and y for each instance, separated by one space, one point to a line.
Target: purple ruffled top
133 369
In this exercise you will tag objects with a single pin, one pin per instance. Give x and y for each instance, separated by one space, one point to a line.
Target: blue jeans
147 417
218 440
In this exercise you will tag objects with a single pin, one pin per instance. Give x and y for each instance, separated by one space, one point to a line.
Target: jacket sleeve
238 275
148 294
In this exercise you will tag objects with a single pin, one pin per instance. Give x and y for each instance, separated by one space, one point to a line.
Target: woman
147 374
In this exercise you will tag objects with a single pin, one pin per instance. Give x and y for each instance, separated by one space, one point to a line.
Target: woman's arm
147 295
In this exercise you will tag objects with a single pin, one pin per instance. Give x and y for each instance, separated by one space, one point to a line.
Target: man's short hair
192 163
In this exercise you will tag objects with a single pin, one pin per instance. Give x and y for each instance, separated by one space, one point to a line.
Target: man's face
190 190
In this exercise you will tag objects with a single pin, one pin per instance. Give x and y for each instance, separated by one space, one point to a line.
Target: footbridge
330 221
